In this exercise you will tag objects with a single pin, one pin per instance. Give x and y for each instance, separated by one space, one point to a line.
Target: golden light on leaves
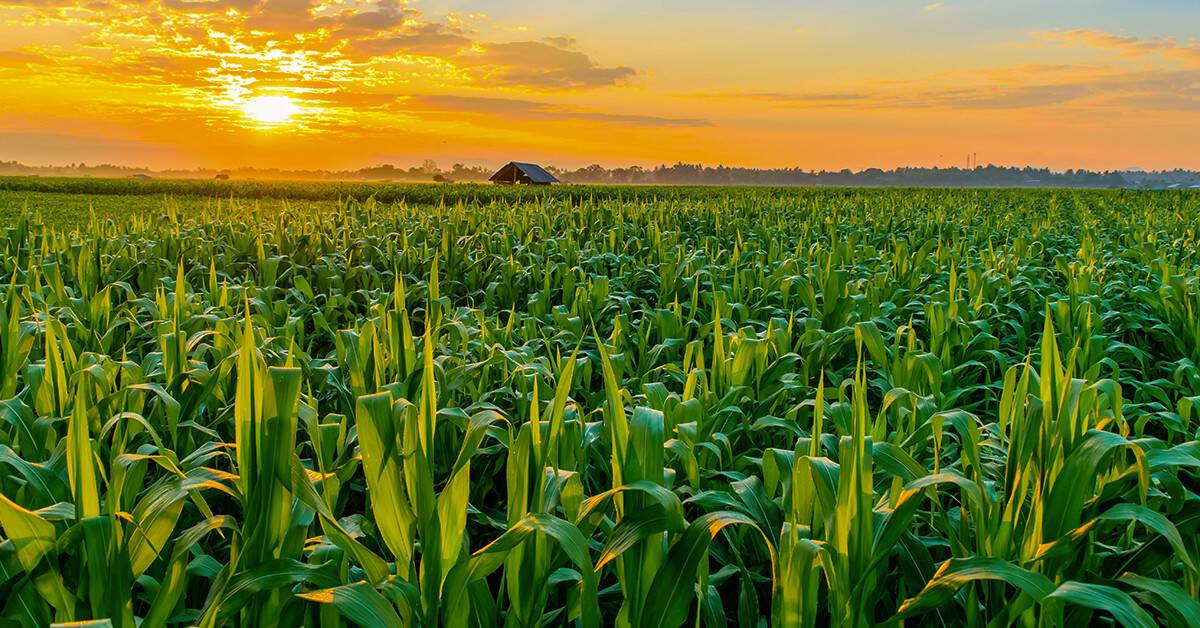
270 110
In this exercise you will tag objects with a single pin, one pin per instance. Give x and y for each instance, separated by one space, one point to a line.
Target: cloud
535 110
1126 45
381 17
23 58
1011 88
933 6
209 6
562 41
430 39
358 100
988 97
284 17
539 64
1026 86
1021 97
54 4
344 62
1024 73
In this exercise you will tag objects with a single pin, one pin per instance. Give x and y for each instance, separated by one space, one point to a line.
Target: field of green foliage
466 406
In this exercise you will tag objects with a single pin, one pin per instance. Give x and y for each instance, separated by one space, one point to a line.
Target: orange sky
349 83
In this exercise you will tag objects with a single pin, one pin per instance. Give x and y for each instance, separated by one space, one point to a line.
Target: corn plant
595 406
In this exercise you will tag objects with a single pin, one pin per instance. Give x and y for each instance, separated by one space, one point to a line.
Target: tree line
678 174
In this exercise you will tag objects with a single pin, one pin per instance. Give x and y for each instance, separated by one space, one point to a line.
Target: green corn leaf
1105 598
360 603
1154 521
1166 597
32 536
957 572
80 458
267 576
452 517
672 592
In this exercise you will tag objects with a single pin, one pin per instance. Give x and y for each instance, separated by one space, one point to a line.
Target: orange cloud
1028 86
343 63
431 39
197 41
1127 45
543 65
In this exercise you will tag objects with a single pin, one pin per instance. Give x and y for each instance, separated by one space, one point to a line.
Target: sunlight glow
270 109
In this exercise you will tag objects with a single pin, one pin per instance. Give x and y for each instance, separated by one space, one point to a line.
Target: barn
515 172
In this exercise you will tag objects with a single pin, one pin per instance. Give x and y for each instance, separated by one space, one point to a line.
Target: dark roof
535 172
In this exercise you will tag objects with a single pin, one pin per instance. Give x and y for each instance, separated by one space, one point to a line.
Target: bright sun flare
270 109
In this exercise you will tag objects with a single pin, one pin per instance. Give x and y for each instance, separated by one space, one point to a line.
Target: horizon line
475 165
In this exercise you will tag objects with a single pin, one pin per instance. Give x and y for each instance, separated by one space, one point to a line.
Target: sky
341 84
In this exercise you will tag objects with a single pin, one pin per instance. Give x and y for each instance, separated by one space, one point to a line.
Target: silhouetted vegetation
678 174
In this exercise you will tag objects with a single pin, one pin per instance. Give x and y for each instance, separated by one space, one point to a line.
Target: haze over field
345 83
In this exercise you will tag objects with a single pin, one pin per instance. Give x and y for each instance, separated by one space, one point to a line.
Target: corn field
711 408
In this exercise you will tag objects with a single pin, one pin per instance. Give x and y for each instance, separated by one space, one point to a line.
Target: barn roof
536 173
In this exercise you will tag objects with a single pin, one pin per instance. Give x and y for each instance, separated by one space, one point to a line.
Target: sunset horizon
298 84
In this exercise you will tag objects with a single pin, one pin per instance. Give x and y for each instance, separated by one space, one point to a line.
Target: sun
270 109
